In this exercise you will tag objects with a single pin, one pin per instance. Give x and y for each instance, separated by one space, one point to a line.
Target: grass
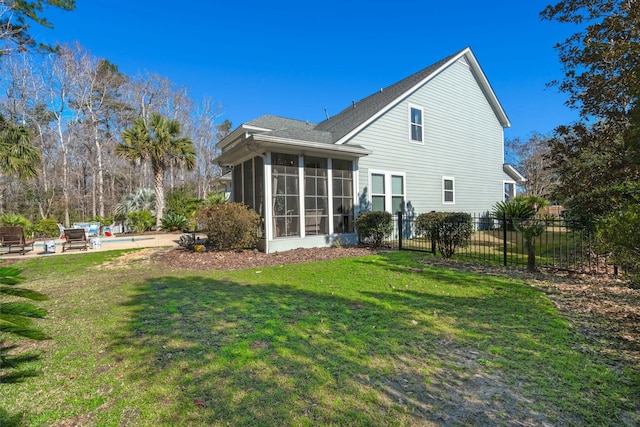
556 247
377 340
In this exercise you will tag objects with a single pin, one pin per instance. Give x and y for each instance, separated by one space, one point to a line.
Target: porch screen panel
316 196
259 185
342 196
237 183
286 193
247 172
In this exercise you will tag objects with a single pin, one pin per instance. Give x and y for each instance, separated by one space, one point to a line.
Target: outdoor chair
75 238
11 237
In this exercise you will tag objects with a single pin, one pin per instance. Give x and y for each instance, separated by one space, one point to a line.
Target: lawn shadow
275 354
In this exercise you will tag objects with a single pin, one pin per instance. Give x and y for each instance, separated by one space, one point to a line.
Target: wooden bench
13 237
75 238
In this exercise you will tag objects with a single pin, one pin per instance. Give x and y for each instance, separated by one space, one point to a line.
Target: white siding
462 139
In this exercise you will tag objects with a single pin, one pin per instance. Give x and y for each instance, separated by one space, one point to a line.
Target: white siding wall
462 139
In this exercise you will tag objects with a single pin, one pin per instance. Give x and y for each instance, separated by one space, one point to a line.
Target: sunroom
305 191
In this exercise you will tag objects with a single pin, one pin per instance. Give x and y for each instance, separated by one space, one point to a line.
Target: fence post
504 238
400 230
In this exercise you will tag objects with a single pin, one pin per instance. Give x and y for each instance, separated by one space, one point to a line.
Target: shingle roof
353 116
278 123
292 129
337 127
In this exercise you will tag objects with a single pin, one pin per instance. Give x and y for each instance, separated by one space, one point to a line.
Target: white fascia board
271 142
482 81
240 131
513 173
486 87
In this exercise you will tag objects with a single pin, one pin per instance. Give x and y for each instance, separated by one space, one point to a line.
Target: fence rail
561 246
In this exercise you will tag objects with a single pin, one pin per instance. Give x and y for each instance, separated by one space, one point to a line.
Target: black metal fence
560 246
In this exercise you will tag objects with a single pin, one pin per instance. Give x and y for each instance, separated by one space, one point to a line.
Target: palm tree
17 155
160 142
144 199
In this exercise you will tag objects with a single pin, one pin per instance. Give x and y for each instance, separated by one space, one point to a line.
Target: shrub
182 201
140 221
620 233
374 227
14 220
517 209
215 199
448 230
46 228
174 222
229 226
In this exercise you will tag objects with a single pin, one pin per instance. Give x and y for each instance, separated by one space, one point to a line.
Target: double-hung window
387 191
416 124
448 190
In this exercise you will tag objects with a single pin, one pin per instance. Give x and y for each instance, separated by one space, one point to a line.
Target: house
432 141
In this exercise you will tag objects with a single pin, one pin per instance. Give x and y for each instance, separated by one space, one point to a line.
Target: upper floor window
448 190
416 124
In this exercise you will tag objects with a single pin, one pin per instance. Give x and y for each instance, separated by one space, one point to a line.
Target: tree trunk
531 257
159 185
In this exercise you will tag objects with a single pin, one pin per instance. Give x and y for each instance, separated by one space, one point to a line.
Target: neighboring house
433 141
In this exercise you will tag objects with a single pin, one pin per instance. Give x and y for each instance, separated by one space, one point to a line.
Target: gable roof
352 119
337 130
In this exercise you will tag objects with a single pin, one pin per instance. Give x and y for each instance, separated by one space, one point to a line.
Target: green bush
215 199
182 201
229 226
14 220
619 233
46 228
374 227
516 208
140 221
449 230
175 222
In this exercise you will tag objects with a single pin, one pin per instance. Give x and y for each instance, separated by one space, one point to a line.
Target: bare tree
531 158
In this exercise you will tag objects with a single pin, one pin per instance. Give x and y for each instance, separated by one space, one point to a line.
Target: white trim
302 221
410 107
477 72
268 203
330 194
504 182
513 173
453 181
388 192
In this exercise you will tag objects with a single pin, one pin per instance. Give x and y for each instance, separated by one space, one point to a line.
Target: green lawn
379 340
556 246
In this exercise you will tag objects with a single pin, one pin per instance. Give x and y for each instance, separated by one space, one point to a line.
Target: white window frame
504 184
453 182
388 191
411 124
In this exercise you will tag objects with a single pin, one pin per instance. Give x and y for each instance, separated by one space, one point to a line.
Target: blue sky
296 58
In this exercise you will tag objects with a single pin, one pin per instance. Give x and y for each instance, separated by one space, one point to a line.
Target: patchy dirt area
604 308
